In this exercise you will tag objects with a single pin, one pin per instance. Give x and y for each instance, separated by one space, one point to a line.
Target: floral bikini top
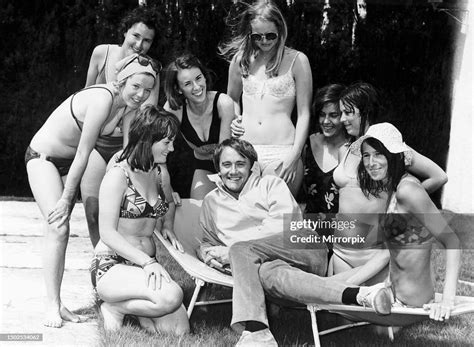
135 206
404 229
280 86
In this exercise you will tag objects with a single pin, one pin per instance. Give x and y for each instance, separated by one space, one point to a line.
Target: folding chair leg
391 336
197 289
314 325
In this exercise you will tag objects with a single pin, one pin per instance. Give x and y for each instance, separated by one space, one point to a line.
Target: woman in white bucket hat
411 224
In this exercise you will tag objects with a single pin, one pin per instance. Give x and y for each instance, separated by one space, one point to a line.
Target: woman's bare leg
124 291
90 185
295 184
47 187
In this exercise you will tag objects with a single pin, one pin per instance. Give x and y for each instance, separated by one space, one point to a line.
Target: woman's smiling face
261 26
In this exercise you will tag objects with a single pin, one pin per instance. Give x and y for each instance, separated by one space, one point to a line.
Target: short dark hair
244 148
327 94
395 171
152 124
171 87
365 97
140 14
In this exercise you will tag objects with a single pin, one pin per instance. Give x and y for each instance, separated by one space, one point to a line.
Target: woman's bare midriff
411 275
268 129
138 232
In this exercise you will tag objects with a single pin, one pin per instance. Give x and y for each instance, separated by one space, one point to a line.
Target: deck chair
363 316
188 232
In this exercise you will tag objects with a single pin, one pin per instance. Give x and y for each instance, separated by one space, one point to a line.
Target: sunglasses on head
145 61
259 37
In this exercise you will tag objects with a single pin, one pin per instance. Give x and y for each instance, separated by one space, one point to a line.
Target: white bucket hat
387 134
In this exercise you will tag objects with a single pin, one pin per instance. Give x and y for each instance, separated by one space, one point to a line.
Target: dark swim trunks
61 164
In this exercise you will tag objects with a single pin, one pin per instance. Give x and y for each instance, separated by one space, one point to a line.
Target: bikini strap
294 59
72 98
103 69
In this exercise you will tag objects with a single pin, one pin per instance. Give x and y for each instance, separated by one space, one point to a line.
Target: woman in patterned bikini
132 200
411 224
271 79
138 28
57 157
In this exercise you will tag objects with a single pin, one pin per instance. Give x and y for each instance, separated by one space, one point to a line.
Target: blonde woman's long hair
241 45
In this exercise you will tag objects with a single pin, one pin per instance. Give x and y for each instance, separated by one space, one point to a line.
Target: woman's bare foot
147 324
68 315
113 319
52 317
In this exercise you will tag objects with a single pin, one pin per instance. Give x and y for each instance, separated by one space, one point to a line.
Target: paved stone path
22 288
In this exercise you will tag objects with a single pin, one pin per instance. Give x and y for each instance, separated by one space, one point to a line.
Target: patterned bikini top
135 206
404 229
282 86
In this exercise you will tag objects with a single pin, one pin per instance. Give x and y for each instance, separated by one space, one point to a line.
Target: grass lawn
210 325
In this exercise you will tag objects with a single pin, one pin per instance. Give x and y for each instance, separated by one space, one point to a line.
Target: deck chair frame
189 234
400 316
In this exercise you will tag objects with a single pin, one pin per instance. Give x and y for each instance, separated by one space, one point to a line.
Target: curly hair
140 14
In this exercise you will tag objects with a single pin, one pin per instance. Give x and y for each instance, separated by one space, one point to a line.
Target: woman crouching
411 222
127 277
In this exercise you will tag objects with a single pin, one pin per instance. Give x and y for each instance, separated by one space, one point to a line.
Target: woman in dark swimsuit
321 151
132 200
138 28
57 157
205 115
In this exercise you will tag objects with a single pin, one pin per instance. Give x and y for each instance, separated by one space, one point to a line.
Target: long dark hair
171 87
395 171
151 125
365 97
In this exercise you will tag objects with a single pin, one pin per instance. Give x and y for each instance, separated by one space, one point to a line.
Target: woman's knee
60 232
169 298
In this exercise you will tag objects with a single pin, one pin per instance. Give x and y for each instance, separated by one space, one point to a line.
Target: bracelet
149 262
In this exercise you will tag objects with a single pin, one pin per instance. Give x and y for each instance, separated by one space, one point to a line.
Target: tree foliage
405 51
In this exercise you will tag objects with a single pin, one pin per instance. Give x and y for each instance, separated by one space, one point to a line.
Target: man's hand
219 253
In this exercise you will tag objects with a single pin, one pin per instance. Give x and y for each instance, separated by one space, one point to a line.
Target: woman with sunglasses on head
57 157
272 79
411 225
138 28
320 154
124 270
367 262
205 115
